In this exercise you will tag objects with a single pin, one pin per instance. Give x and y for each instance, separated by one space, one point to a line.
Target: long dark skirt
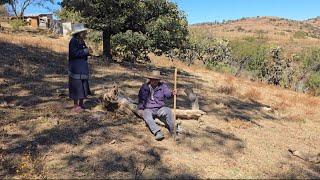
78 89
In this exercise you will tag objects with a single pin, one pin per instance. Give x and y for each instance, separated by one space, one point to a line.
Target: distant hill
275 30
314 21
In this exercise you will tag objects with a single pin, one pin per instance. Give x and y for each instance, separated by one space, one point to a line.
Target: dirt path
246 134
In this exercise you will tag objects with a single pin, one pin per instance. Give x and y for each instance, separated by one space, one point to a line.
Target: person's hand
174 92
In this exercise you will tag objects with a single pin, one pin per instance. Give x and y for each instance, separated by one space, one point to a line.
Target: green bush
249 38
314 83
310 58
130 46
16 24
222 67
255 53
69 15
94 39
300 35
94 36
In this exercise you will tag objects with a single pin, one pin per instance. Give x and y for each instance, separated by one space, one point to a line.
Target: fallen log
112 99
189 114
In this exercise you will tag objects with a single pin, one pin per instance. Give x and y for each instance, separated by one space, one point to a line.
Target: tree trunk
107 45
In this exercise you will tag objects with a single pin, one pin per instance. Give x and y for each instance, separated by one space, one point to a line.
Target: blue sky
210 10
36 9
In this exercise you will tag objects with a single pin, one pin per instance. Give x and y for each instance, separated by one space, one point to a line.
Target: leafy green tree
254 53
69 15
130 46
159 20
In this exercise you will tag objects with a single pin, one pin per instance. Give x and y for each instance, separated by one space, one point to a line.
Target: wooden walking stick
175 103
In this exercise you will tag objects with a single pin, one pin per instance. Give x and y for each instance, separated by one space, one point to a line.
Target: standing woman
78 67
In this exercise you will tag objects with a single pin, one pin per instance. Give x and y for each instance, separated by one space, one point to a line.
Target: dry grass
240 124
228 90
296 118
25 39
281 105
252 94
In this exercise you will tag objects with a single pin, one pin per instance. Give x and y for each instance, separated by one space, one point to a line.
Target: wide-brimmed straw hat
154 75
78 28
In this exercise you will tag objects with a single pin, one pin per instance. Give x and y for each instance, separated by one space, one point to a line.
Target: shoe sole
160 139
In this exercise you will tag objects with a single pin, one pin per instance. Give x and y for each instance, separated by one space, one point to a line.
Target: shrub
222 67
310 58
228 89
300 35
255 53
94 39
69 15
16 24
252 94
249 38
94 36
219 51
309 67
314 83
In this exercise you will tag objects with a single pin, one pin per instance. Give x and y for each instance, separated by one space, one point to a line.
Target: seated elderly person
152 96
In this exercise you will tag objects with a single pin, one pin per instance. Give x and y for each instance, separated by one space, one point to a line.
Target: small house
43 21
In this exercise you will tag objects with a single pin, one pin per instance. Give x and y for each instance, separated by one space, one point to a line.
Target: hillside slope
291 34
314 21
246 134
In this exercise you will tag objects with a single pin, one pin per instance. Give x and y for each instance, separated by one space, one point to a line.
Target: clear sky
210 10
36 10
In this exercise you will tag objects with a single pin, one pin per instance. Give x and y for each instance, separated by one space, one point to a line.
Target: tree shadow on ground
299 170
136 164
27 73
230 108
87 133
213 140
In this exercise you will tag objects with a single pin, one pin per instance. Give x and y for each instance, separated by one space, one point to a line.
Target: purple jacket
161 92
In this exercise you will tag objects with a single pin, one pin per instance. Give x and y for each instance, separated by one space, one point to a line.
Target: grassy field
246 133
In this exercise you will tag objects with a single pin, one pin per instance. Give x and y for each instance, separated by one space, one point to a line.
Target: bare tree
18 7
